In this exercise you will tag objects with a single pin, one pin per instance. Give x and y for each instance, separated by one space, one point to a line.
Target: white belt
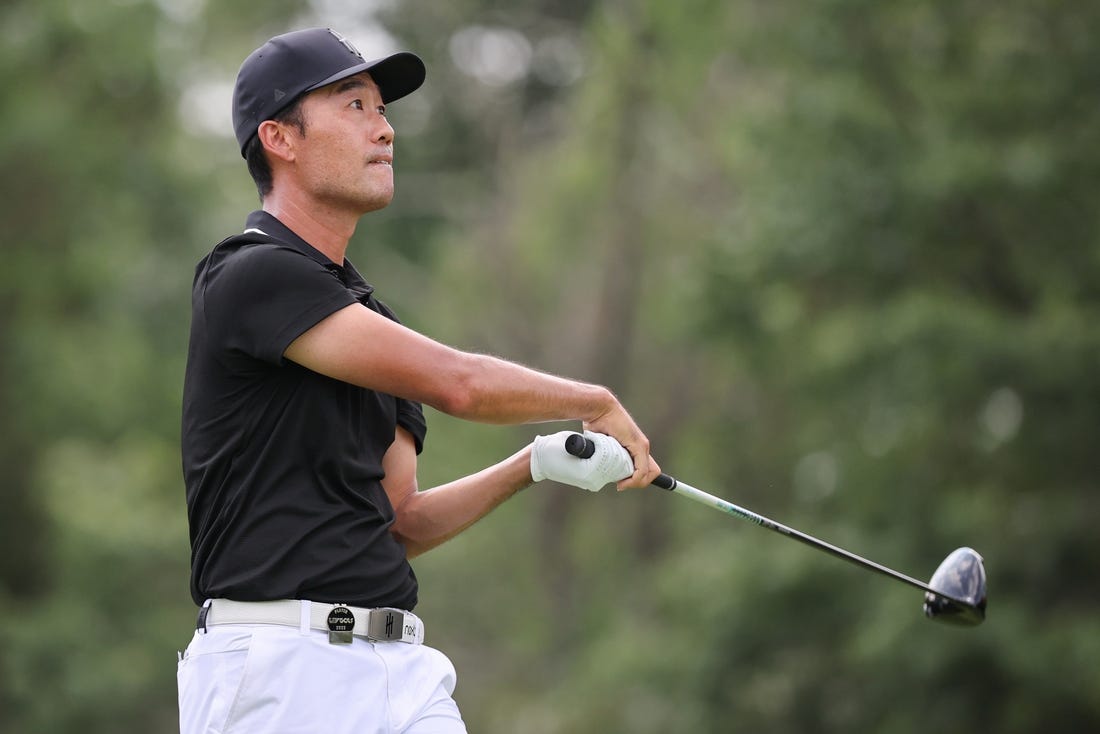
377 625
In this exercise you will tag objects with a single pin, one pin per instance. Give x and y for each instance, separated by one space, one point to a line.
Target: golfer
302 424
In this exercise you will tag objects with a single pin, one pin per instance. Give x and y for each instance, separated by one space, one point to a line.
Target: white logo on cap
346 42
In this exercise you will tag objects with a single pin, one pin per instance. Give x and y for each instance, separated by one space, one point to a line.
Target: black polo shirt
283 466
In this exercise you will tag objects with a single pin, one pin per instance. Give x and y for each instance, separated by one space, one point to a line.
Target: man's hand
609 463
618 424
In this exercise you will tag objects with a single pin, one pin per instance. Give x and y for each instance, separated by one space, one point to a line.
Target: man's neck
324 229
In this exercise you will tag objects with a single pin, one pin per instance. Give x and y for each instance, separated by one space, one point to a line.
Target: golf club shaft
578 445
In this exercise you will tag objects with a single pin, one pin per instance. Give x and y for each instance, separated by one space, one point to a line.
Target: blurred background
841 259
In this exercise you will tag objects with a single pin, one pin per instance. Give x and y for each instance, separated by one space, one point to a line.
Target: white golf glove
610 462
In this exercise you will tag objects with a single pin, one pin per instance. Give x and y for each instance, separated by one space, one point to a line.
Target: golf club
956 593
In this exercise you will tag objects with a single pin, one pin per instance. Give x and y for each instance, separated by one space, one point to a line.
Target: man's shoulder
249 252
250 244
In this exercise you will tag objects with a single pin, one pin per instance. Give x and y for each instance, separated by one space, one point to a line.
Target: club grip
580 446
583 448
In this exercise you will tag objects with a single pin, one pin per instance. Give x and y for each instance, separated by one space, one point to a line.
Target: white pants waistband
385 624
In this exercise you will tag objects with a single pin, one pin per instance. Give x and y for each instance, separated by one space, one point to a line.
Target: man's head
275 77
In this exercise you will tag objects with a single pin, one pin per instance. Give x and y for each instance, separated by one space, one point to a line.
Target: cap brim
396 76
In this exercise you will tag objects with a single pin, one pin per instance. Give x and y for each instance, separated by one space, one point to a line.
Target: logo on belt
340 624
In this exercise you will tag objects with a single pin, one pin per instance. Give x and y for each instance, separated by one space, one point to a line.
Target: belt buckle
385 625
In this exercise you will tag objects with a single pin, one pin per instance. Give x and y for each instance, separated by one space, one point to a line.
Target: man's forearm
493 390
498 391
359 346
429 518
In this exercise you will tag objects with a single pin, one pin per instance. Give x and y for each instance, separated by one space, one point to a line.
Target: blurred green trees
839 259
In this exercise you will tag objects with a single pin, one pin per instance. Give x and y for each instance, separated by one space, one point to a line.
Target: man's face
345 158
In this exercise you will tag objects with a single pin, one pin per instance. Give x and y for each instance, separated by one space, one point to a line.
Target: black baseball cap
288 66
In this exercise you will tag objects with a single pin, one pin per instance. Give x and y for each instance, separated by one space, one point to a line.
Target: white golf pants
267 679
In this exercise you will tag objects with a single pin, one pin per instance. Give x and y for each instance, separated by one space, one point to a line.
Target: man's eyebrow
348 84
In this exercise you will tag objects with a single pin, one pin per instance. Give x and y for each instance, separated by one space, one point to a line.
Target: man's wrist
603 401
522 459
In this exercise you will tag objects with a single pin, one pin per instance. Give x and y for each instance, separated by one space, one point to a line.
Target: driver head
962 576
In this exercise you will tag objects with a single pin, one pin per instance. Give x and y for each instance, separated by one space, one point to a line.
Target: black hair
256 158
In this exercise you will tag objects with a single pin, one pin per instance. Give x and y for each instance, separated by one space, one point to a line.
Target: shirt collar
271 226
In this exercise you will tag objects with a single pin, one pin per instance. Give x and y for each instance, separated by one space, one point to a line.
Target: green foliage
839 258
105 222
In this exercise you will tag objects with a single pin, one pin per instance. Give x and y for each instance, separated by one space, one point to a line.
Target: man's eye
357 104
382 110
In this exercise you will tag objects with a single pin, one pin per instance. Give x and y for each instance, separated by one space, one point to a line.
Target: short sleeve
410 416
261 297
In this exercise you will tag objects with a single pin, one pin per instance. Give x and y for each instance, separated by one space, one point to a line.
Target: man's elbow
462 393
412 531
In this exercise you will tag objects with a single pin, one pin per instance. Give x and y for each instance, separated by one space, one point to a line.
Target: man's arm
364 348
429 518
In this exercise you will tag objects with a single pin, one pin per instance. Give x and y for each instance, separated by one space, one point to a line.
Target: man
302 423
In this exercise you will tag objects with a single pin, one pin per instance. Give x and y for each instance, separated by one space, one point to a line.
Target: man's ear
276 139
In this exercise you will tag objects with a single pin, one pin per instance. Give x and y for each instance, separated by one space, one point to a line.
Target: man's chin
376 202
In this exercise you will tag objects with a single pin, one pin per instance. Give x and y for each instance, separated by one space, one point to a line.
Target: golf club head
961 576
